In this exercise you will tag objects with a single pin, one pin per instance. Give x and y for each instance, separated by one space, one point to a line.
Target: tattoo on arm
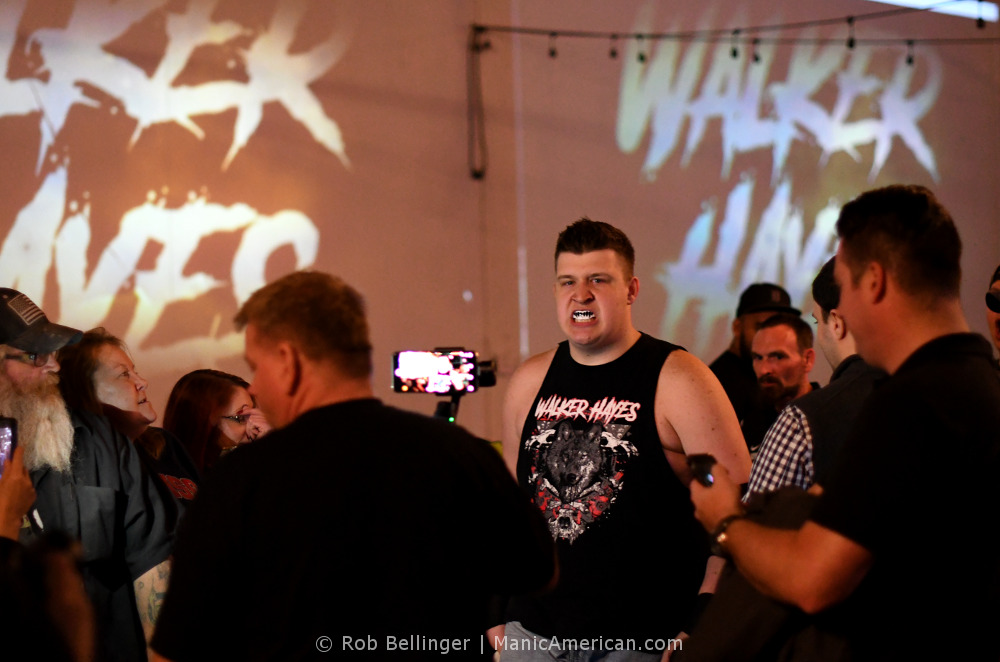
149 591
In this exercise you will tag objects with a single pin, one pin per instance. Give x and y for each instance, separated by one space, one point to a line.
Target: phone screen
8 440
435 372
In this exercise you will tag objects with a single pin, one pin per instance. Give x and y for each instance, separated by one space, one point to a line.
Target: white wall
183 159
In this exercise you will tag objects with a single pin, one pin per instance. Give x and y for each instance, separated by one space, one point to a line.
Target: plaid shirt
785 456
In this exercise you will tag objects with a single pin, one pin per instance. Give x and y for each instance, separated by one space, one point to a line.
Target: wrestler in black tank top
631 555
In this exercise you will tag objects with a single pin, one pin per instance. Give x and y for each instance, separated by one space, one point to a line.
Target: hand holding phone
8 440
16 495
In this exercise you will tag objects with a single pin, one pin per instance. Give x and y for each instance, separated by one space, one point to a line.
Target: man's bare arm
150 588
693 415
812 568
521 392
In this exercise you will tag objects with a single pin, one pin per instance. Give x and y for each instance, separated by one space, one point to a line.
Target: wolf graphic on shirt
577 471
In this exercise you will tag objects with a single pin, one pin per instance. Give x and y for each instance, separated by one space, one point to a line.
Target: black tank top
631 555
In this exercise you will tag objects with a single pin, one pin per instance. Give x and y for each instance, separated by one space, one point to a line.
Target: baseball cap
24 326
761 297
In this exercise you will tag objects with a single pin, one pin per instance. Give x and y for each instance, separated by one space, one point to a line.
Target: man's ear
810 358
837 325
633 289
296 371
290 373
875 281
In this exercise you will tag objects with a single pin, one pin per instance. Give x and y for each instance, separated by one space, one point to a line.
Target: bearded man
88 481
783 357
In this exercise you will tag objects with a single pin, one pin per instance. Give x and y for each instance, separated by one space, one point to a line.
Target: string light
477 39
478 42
733 35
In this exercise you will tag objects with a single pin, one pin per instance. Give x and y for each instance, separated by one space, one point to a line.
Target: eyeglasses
30 358
993 301
240 419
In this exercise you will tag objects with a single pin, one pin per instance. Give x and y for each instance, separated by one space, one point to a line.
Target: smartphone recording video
437 372
8 440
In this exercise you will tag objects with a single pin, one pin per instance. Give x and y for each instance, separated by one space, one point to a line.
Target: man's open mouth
583 315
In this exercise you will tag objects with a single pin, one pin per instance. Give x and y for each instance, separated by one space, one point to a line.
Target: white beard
44 428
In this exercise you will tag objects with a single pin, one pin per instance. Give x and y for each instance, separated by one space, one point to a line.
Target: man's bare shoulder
683 365
694 415
527 379
521 390
686 377
534 369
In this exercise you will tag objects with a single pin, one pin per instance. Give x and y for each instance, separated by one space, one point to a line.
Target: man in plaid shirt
804 440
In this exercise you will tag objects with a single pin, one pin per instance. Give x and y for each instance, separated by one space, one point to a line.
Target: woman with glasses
97 374
993 308
212 413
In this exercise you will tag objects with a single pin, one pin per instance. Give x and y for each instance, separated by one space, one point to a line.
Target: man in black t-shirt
352 529
890 559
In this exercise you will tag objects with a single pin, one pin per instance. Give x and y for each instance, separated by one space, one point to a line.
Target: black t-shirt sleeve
517 541
877 478
204 588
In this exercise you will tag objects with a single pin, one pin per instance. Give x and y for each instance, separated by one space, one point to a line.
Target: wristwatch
719 535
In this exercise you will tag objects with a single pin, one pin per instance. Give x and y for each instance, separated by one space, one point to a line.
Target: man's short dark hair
586 235
908 232
803 332
320 313
826 292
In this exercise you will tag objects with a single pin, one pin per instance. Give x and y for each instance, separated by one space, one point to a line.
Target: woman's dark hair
77 365
192 410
